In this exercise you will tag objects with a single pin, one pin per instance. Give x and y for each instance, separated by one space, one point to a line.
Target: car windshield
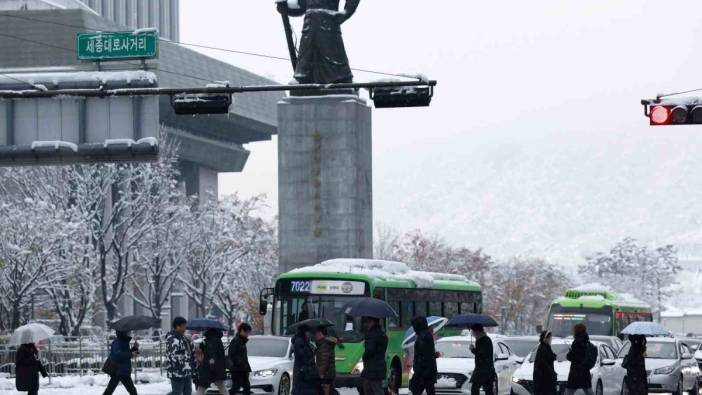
657 350
559 349
520 347
454 349
267 347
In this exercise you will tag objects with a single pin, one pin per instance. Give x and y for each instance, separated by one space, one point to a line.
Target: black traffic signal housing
402 96
201 103
661 113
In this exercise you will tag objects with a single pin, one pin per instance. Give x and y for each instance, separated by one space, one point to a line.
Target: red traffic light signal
669 113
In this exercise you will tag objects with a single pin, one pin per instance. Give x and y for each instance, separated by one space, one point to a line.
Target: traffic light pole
322 88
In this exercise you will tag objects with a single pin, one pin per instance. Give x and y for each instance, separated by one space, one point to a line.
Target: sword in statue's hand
283 8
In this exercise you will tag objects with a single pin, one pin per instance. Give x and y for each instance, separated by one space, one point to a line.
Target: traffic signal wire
239 52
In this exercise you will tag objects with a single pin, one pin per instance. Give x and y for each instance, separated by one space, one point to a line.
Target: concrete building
44 39
135 14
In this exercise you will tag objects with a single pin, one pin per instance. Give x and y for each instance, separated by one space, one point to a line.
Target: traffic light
201 103
662 113
403 96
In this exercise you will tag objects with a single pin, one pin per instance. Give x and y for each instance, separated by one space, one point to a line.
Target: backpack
590 356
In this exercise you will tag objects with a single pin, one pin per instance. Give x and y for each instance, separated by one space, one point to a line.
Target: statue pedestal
324 179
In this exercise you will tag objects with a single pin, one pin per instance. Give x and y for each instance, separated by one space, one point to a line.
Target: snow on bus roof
380 268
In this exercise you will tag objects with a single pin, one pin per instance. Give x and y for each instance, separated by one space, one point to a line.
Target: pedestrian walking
425 372
305 371
213 369
582 357
27 369
374 366
326 359
545 377
239 357
181 359
484 372
121 355
635 365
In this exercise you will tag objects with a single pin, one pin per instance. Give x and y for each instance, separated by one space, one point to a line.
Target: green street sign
117 45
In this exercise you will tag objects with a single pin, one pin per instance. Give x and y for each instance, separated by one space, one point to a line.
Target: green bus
603 312
322 291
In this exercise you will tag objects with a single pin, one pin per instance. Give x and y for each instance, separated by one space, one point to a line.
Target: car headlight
358 369
665 370
265 373
519 381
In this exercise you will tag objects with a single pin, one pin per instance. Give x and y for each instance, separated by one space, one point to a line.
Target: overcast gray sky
511 74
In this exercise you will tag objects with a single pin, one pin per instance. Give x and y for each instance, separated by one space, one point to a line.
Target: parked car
607 377
521 346
670 365
271 364
456 364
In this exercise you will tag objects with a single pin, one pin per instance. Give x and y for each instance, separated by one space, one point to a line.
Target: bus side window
450 309
398 299
421 301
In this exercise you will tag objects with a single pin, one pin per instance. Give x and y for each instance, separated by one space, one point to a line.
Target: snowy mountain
556 196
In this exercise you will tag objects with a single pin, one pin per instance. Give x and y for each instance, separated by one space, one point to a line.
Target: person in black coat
582 357
239 356
28 367
545 377
635 365
374 366
305 372
484 375
424 365
214 367
121 355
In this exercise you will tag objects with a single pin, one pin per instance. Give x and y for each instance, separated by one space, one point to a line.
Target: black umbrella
469 319
369 307
311 323
201 324
135 323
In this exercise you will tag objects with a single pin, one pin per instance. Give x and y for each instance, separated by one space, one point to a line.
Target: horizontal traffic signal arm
678 111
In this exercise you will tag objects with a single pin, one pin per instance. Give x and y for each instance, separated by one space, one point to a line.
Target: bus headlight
358 369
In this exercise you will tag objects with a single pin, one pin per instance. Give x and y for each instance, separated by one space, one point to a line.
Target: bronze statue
321 58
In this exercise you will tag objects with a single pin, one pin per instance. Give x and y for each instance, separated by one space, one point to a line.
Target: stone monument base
324 179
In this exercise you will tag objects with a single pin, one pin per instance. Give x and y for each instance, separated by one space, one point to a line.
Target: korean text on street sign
117 45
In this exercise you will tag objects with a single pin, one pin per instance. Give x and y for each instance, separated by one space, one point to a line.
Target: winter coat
580 357
121 355
375 345
635 365
304 359
213 366
424 352
180 356
545 377
326 358
239 355
27 368
484 372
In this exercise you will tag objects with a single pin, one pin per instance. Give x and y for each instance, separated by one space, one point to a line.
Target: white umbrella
30 333
646 328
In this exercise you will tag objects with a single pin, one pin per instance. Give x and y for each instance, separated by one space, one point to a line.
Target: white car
456 364
607 377
670 366
271 363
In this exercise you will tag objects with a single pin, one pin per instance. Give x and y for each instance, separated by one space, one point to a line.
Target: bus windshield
561 320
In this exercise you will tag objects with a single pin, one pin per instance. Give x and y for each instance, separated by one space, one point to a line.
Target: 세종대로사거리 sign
139 44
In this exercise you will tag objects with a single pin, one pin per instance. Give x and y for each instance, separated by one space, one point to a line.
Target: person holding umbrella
425 372
213 369
305 371
635 365
27 367
374 366
545 378
121 357
484 372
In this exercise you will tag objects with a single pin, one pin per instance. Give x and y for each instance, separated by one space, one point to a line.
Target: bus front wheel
395 379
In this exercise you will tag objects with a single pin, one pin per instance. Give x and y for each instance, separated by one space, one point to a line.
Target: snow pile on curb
383 269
